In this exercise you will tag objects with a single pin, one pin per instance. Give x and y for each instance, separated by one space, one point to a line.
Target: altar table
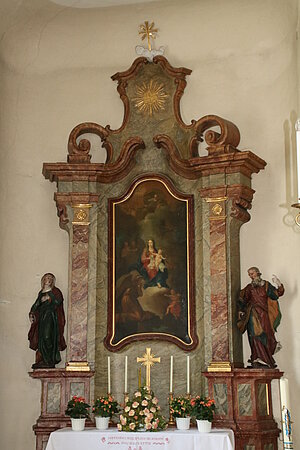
93 439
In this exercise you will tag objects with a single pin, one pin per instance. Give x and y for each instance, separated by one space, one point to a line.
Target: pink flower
154 425
119 426
154 400
132 426
146 411
144 403
135 404
127 409
152 409
131 413
123 420
148 426
137 394
150 416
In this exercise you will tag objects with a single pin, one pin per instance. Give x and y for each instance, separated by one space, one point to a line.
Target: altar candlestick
286 415
108 374
126 364
188 374
171 373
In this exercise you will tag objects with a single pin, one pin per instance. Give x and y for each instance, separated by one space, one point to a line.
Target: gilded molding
219 366
81 366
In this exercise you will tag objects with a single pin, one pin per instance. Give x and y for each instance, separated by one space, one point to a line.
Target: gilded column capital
241 200
79 201
81 214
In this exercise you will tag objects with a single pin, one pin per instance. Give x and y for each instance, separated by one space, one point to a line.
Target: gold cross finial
148 360
148 31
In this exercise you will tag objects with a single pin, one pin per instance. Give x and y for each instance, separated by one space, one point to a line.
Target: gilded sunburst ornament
150 97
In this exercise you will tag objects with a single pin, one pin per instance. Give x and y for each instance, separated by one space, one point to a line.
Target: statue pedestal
244 404
58 386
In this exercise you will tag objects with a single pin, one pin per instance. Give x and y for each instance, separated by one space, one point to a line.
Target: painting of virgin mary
152 265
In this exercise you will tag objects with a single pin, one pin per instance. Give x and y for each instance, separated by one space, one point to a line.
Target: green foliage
77 408
203 408
180 407
141 412
105 406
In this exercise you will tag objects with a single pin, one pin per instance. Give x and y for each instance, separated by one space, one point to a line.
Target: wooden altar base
244 404
58 386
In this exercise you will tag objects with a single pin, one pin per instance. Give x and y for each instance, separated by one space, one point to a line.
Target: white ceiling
98 3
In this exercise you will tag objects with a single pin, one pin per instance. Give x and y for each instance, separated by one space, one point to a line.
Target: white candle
126 365
297 127
171 373
284 393
108 374
188 374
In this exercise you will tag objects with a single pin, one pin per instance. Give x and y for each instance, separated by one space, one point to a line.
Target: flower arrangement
77 408
180 407
142 412
105 406
203 408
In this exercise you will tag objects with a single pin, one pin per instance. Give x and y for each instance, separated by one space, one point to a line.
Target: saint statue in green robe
46 334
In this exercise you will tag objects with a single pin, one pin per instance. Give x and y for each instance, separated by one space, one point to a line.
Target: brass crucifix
148 360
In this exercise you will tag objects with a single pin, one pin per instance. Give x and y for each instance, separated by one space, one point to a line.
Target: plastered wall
55 68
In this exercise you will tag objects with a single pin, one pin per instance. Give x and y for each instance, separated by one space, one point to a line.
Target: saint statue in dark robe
260 315
46 334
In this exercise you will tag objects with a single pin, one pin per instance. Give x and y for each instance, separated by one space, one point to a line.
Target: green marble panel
268 447
53 398
262 400
244 400
77 388
220 396
249 447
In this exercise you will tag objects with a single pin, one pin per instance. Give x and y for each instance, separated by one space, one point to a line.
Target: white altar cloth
93 439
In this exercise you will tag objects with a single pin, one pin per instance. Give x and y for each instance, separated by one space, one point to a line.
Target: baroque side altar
155 196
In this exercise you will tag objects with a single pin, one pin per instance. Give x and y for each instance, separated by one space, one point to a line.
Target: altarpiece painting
151 241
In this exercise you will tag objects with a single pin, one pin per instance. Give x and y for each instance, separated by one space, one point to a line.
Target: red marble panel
219 313
79 295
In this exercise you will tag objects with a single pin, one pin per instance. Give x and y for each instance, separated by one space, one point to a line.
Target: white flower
154 400
152 409
144 403
132 426
148 426
137 394
146 411
119 426
131 413
135 404
127 409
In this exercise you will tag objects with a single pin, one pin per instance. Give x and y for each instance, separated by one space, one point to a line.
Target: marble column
218 282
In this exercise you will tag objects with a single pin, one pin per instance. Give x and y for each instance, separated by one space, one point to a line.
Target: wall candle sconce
297 205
